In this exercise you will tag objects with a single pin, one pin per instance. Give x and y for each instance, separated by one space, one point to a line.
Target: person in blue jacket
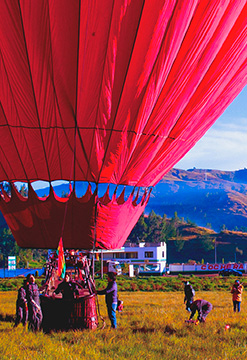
111 299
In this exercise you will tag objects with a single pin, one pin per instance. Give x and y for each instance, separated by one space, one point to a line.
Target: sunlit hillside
207 197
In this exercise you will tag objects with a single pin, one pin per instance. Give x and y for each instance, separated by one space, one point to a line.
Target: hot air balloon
107 92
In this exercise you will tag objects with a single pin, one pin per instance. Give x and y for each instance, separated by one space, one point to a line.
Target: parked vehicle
228 272
112 266
149 269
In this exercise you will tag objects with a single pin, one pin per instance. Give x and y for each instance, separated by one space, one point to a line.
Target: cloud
223 147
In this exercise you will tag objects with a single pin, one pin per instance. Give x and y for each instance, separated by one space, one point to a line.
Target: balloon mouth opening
63 188
88 222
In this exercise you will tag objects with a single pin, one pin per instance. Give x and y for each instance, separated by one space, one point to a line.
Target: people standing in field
203 308
189 294
21 305
111 298
236 291
34 310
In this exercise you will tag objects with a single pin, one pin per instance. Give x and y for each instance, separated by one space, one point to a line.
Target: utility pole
102 272
215 252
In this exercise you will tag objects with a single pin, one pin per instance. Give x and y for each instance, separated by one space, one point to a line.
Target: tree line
154 229
25 258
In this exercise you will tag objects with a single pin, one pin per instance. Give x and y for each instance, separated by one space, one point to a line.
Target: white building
149 257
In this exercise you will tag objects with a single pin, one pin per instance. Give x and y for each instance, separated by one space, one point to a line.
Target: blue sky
224 146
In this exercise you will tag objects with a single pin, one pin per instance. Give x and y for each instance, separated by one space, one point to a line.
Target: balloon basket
61 314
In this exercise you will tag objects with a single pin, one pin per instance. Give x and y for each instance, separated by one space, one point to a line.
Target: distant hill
209 198
197 243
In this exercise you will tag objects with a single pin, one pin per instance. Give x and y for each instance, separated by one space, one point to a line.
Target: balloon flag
61 268
107 92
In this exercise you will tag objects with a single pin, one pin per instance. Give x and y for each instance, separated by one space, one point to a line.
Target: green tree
139 232
6 187
23 190
164 229
207 243
154 227
64 194
171 231
179 243
190 222
8 245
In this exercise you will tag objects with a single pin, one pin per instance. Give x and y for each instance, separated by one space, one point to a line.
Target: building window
163 254
149 254
131 255
107 256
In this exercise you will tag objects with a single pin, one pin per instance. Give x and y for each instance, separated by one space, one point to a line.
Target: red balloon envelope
109 91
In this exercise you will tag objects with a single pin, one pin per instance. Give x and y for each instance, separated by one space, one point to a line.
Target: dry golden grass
152 326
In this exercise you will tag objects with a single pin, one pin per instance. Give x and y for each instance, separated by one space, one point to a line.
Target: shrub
133 287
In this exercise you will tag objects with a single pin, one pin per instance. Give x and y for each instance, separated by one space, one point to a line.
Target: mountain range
212 198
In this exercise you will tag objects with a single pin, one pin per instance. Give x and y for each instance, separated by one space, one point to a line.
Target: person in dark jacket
203 308
69 291
189 294
111 299
21 306
67 288
34 310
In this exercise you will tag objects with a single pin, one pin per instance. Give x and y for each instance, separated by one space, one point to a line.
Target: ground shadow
144 330
169 330
7 317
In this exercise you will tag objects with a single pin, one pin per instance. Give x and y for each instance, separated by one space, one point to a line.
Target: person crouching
203 308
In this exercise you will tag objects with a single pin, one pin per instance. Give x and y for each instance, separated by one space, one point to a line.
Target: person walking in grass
111 299
236 291
189 294
203 308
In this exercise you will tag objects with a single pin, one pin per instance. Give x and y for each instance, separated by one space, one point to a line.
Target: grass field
152 326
